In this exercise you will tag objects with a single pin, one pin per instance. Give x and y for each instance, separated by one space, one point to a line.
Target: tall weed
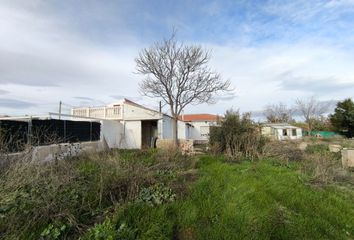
63 198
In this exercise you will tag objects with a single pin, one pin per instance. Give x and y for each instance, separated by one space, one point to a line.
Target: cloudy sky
82 52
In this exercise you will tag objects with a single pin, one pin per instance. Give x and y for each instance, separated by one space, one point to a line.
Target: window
294 132
285 132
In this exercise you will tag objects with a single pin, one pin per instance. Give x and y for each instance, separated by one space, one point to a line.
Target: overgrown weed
63 198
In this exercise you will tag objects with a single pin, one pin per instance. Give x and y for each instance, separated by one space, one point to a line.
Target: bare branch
278 113
178 74
311 109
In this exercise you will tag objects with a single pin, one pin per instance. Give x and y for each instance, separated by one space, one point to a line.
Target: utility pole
160 107
60 109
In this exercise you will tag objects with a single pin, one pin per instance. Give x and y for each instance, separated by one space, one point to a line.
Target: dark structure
15 135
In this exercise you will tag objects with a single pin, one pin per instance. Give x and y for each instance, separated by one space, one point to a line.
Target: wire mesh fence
16 135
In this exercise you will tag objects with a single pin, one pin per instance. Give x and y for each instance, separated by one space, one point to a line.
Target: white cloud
43 60
36 52
257 73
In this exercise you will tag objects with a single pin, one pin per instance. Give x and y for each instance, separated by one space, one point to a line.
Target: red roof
199 117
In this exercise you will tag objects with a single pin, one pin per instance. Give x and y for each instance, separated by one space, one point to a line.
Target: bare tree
179 75
311 110
277 113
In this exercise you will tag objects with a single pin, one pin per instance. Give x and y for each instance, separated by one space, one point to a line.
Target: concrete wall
125 134
112 132
60 151
55 152
347 158
131 135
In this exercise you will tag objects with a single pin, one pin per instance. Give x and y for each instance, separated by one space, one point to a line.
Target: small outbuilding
201 124
281 131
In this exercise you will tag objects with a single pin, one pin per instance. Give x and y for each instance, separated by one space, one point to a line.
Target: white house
281 131
201 124
126 124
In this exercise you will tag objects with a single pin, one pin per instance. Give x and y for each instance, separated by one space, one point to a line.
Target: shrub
238 136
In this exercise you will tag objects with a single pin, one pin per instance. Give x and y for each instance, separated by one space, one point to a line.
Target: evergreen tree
343 118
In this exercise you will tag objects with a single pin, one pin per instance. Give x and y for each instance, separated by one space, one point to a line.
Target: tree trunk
175 131
309 125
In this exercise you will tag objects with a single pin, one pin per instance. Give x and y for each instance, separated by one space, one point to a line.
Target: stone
302 146
347 158
334 148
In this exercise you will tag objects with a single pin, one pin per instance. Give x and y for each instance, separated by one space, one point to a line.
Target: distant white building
201 124
281 131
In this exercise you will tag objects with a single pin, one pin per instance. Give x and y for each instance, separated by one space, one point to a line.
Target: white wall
167 126
183 130
125 134
132 135
196 133
160 129
112 132
266 130
299 133
289 134
131 112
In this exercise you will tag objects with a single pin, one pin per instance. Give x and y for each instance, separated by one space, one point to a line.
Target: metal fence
15 135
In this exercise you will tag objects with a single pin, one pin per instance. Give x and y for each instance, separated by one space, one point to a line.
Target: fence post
90 131
29 131
64 131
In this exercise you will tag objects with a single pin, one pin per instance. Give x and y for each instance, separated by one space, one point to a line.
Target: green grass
251 200
143 195
63 199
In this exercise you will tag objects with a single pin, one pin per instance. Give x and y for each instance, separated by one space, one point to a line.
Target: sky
82 52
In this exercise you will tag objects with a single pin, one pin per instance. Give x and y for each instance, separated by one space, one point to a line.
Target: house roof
284 127
280 125
200 117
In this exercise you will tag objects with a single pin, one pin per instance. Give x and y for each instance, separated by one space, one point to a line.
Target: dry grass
68 196
316 161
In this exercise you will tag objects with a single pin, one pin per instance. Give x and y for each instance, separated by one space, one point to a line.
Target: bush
238 136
